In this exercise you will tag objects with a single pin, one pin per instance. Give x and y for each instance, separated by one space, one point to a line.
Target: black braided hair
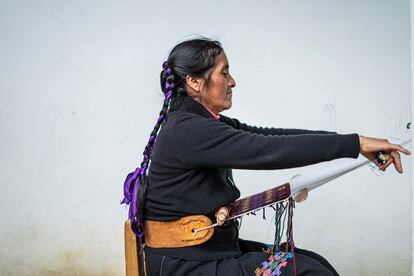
195 57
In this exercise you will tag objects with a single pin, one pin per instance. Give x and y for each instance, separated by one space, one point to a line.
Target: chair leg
134 256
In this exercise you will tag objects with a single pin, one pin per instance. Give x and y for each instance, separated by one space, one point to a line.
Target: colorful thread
274 264
280 252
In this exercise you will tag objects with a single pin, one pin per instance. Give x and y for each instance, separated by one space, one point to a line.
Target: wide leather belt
177 233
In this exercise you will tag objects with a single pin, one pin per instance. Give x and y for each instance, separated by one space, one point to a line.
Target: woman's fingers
394 159
397 161
382 167
394 147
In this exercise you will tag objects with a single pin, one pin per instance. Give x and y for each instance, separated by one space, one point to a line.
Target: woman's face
217 96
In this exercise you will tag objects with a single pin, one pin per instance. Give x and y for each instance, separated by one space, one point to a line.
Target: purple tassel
131 177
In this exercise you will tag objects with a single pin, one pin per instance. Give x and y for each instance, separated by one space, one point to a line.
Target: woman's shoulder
188 126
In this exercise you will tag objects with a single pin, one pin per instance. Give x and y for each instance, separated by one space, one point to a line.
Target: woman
192 157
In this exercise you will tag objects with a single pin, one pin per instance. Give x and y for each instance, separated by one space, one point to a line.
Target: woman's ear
194 83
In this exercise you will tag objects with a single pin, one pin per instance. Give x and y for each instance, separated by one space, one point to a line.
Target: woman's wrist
361 142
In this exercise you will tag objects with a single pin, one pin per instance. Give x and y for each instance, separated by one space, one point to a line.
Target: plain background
79 93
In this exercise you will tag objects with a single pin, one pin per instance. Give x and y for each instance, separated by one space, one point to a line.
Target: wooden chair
134 262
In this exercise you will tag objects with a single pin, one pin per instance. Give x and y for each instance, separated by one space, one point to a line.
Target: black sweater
190 171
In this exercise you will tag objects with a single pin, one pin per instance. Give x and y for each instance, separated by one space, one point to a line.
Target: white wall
80 94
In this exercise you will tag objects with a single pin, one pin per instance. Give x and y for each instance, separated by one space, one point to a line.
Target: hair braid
135 193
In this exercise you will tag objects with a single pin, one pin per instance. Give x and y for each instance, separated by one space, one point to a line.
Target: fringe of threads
280 252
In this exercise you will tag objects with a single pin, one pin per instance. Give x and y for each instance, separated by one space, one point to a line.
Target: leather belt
177 233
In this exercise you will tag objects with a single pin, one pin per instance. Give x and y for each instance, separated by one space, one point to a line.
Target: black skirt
307 263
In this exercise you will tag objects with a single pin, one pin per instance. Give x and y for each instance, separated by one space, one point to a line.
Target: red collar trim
216 116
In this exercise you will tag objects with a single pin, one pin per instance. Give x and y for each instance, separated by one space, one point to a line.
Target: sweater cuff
352 145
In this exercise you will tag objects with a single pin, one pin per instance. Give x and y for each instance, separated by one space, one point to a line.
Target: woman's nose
232 82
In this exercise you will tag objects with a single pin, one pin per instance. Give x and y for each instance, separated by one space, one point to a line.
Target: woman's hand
370 146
